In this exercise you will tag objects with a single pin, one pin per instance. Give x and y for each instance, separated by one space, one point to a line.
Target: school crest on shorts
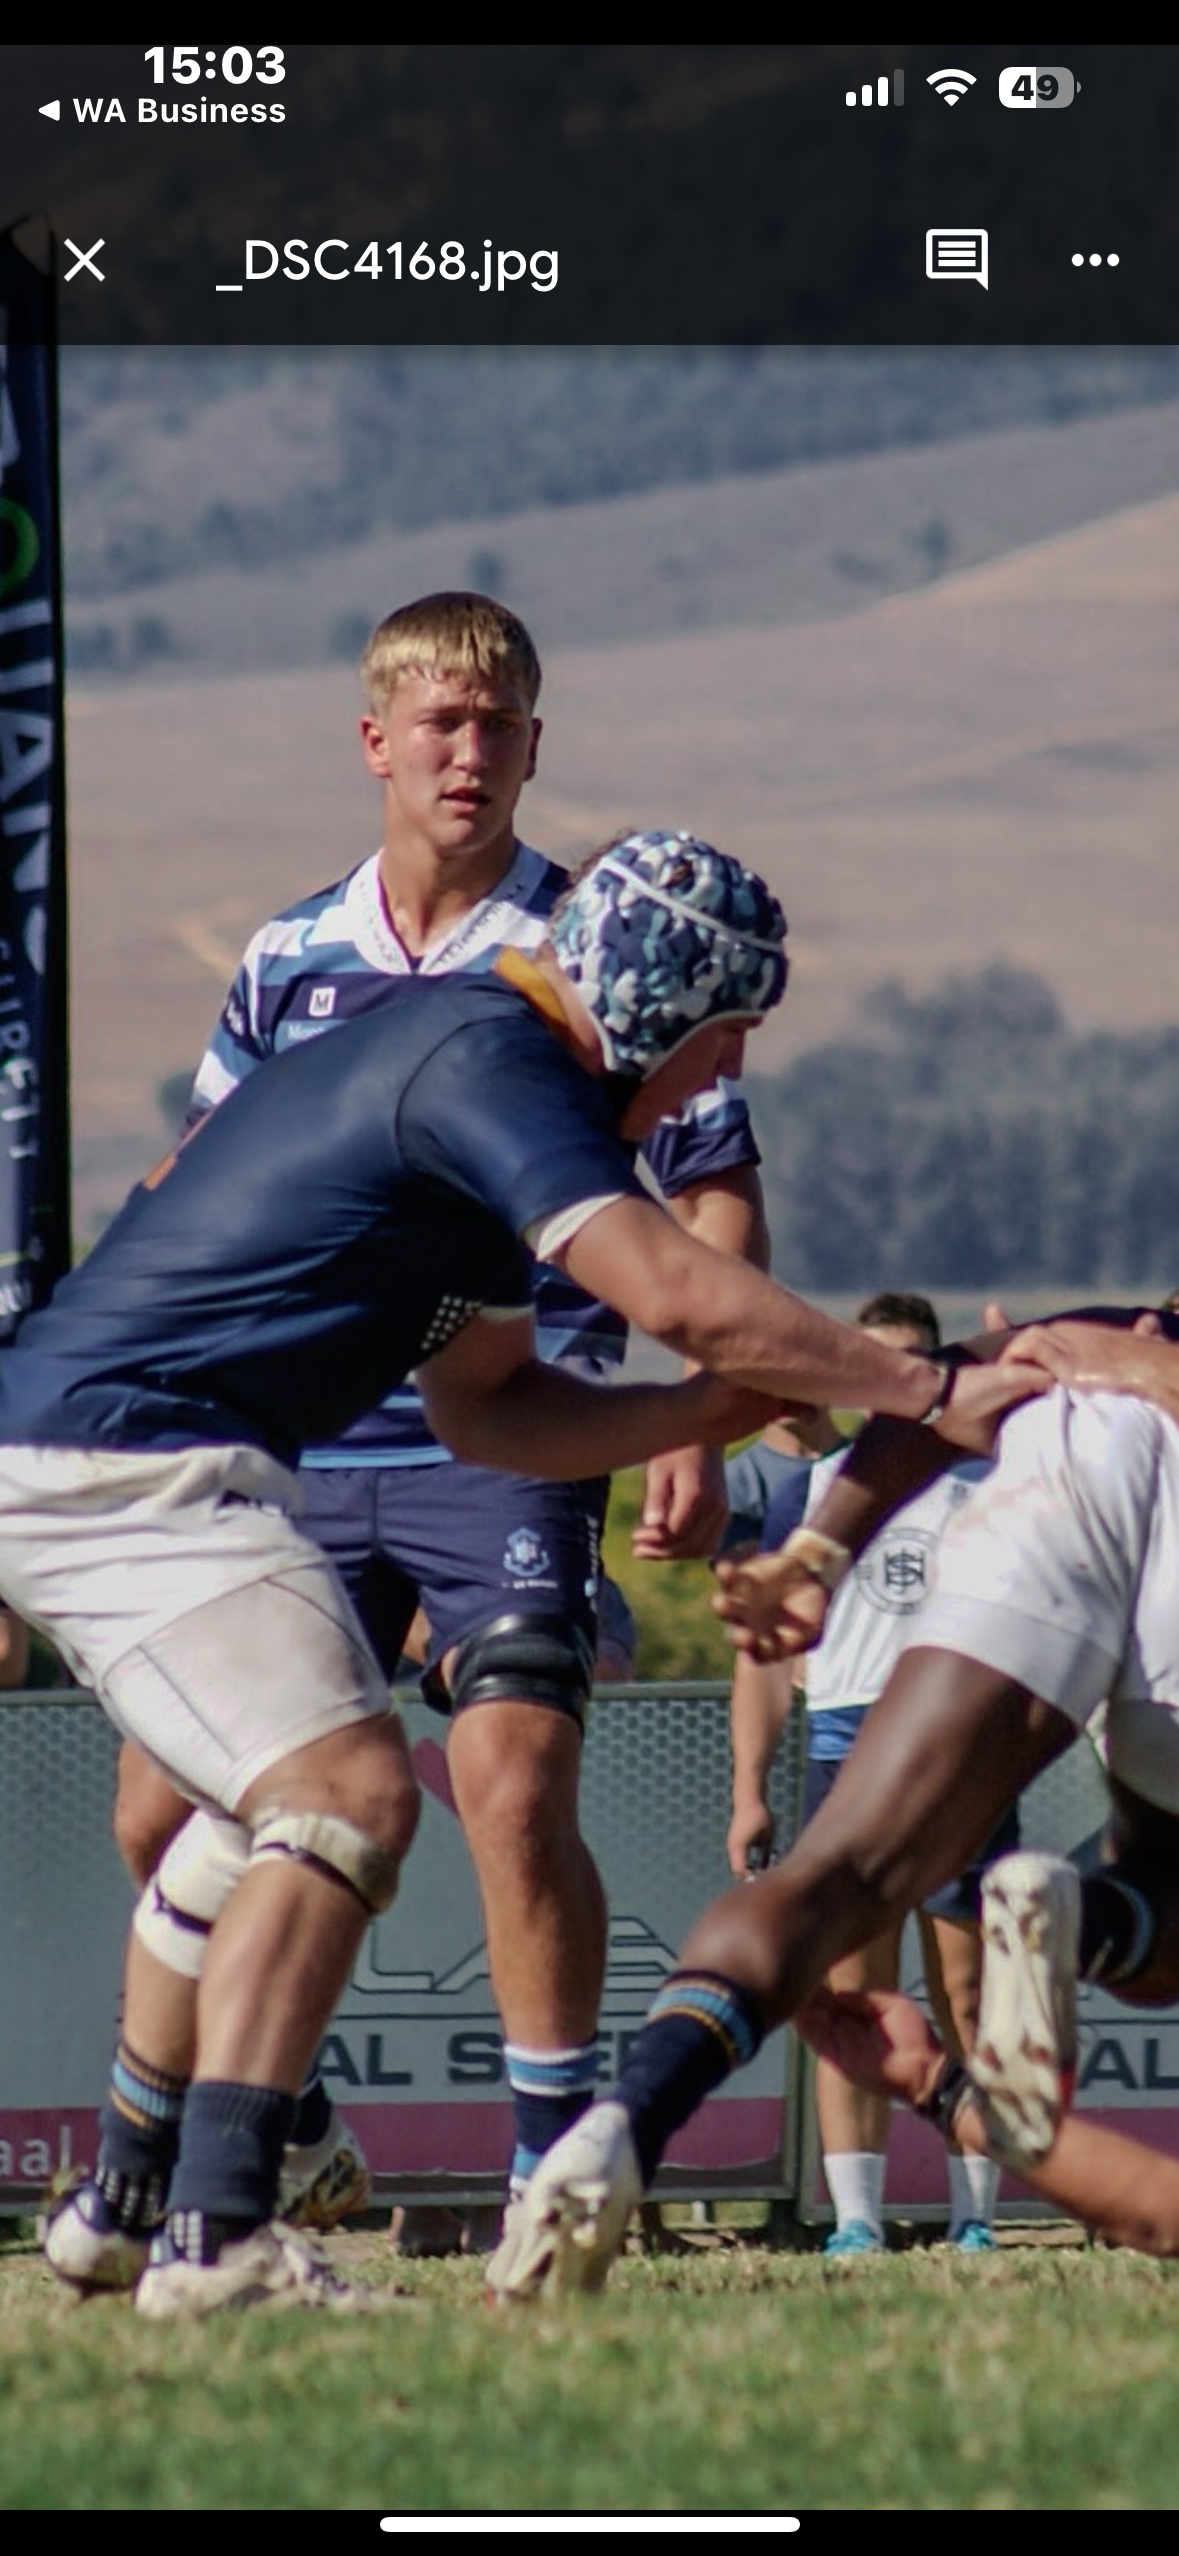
526 1555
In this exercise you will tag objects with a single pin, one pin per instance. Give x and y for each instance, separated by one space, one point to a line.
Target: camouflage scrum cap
663 933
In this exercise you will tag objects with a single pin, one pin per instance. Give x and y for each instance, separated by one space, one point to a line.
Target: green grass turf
733 2376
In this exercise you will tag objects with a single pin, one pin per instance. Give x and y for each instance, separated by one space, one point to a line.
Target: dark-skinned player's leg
942 1753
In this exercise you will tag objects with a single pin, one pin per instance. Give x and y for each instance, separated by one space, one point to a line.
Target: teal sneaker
973 2236
856 2238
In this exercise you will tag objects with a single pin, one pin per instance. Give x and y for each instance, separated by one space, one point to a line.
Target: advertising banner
34 1139
414 2054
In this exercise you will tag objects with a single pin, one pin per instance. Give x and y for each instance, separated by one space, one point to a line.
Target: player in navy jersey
451 734
362 1208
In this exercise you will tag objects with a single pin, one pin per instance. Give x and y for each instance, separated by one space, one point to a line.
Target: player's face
716 1048
454 756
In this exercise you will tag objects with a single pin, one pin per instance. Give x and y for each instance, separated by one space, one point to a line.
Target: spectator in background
1123 2190
871 1614
754 1474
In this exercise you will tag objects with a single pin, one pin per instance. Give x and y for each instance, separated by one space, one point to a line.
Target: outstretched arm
741 1324
1094 1357
492 1401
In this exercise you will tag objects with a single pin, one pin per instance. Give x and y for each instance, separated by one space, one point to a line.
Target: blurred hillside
983 770
263 511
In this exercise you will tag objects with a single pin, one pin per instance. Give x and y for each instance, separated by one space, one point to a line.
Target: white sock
855 2181
974 2185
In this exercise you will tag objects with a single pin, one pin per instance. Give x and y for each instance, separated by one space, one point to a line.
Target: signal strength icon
879 95
951 85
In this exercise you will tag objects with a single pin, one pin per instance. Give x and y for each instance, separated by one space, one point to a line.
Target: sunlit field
735 2371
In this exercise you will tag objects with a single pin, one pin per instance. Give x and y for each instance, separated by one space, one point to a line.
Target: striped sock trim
147 2096
552 2072
702 1998
550 2090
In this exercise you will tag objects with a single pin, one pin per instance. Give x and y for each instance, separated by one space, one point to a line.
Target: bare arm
774 1604
490 1399
1125 2192
715 1309
685 1510
1093 1357
888 1462
759 1703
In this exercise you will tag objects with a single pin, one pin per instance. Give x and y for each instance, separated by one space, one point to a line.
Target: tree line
970 1137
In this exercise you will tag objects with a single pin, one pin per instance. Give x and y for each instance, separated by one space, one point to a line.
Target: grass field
730 2376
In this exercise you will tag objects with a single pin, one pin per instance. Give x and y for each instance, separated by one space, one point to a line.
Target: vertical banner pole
35 1223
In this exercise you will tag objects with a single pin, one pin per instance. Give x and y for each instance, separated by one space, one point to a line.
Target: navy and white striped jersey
332 956
326 1230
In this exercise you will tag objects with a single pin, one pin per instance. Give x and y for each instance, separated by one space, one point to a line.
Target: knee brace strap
332 1846
533 1659
184 1898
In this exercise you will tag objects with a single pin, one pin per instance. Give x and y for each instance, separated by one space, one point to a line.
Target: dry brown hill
983 769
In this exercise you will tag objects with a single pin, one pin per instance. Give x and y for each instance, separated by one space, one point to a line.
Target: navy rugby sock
313 2112
139 2133
699 2029
550 2091
226 2179
1118 1928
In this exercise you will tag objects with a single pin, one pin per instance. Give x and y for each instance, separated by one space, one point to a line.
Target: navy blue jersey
332 956
323 1232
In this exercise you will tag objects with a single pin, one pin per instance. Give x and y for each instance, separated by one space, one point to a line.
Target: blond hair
449 634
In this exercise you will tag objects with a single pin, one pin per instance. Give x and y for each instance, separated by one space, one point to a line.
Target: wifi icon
951 85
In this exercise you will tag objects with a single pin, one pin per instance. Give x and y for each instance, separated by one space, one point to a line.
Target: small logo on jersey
322 1003
897 1572
525 1556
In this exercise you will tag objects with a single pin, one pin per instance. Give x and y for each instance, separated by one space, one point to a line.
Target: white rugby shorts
1062 1572
181 1589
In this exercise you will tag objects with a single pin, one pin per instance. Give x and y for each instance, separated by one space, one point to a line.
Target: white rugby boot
321 2185
84 2244
567 2227
272 2267
1024 2061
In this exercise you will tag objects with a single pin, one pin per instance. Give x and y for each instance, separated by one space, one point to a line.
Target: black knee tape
532 1659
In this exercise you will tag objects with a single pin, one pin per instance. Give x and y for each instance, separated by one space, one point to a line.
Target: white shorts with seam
180 1587
1061 1572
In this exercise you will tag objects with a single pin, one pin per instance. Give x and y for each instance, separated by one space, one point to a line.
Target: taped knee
180 1905
332 1846
534 1659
